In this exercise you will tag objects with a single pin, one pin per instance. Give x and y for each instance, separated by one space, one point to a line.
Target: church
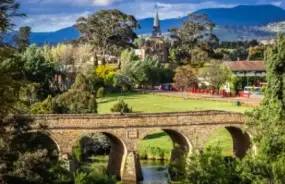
155 44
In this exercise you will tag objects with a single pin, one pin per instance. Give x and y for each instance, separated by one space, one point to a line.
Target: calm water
154 172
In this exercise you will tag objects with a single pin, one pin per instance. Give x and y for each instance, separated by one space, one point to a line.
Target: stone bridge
188 131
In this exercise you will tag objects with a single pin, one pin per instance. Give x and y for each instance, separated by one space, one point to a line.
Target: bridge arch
182 147
117 153
35 140
240 140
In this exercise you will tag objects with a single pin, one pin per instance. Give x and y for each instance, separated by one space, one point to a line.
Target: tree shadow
155 135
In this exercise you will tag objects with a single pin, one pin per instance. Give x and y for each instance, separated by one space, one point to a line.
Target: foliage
23 38
106 29
269 122
185 77
93 145
256 53
126 59
195 40
36 69
93 176
104 72
211 167
10 81
80 83
8 11
100 93
48 106
217 74
121 106
78 99
76 102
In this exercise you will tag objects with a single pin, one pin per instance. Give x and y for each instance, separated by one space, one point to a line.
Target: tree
256 53
211 167
121 106
76 100
195 33
185 77
36 69
8 11
269 122
100 93
217 74
107 28
23 38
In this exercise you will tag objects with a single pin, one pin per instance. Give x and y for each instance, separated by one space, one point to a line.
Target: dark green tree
268 122
9 9
22 39
106 29
195 35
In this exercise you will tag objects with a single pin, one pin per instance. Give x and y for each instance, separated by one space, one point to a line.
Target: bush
121 107
211 167
94 177
100 92
77 100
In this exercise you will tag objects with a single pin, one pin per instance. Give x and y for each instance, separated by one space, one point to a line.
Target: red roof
238 66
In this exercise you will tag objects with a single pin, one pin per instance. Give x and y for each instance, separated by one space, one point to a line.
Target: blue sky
51 15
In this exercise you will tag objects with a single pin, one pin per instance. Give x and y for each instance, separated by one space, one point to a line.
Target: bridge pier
132 171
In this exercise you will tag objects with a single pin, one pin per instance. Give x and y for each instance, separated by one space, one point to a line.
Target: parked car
252 90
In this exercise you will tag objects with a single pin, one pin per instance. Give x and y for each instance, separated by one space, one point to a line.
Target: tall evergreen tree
23 38
268 166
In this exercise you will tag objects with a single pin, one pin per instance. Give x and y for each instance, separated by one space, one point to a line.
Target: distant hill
249 15
245 15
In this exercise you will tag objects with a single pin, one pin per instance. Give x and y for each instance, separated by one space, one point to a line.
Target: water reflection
154 172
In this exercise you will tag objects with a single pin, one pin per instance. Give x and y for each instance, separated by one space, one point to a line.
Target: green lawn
155 103
158 145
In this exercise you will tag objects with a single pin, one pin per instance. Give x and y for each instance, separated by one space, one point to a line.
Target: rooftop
238 66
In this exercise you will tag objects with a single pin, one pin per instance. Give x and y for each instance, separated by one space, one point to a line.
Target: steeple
156 32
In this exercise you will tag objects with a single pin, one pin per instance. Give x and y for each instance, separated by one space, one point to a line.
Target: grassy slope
154 103
154 144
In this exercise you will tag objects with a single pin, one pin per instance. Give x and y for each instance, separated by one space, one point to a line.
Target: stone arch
117 153
182 147
36 139
117 156
241 141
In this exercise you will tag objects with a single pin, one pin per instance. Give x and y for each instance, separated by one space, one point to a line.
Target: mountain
52 38
245 15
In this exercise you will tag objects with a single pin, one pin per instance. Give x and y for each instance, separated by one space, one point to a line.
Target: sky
52 15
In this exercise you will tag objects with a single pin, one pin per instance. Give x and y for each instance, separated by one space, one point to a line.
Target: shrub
48 106
121 106
100 92
211 167
94 177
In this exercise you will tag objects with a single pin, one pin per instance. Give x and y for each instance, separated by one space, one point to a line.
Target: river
154 172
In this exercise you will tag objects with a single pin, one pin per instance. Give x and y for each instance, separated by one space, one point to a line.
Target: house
250 73
247 68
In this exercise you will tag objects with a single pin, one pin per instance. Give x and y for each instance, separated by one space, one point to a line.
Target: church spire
156 20
156 32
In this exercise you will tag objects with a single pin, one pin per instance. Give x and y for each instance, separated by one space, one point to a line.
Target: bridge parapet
139 119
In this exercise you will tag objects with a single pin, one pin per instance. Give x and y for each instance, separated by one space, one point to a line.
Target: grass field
158 145
155 103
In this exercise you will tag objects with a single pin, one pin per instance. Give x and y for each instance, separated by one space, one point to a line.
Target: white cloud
41 21
77 2
50 22
142 9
